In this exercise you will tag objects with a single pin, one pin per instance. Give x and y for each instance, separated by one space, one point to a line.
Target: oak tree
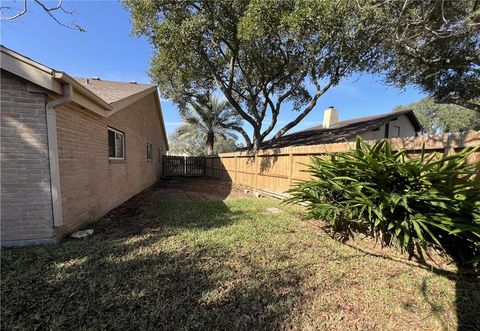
434 45
261 54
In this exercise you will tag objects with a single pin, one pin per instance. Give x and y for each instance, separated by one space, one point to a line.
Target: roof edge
26 59
82 89
414 119
125 102
51 80
164 131
364 119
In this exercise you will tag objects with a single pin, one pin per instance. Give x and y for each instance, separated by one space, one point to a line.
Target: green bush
399 200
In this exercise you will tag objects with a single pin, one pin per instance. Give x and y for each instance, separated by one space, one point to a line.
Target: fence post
163 165
204 160
211 166
184 165
290 169
235 177
224 172
256 171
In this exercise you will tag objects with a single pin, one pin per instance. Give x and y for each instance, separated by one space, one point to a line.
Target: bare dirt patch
202 188
135 215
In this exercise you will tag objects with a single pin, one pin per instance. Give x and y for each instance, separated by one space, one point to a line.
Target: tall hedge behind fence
273 171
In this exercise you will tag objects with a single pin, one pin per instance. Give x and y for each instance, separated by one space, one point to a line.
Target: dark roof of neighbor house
341 131
112 91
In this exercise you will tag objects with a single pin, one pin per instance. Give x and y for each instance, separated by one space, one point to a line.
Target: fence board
275 170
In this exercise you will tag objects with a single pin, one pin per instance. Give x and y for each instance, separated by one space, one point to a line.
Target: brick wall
26 204
91 184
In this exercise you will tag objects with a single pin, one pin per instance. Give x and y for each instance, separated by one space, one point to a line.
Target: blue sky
109 50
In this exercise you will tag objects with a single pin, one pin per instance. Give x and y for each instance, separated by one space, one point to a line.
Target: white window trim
123 143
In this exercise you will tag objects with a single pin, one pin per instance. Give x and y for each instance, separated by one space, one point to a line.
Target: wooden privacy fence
273 171
183 165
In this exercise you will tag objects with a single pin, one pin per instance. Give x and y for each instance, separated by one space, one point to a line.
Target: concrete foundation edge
28 242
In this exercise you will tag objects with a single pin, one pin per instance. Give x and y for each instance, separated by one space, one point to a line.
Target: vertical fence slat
183 165
274 170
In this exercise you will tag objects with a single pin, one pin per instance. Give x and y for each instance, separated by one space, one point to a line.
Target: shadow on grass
145 281
185 266
467 293
467 289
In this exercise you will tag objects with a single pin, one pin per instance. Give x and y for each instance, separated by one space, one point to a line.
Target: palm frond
209 115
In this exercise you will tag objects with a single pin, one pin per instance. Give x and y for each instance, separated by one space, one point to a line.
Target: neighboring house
389 125
71 148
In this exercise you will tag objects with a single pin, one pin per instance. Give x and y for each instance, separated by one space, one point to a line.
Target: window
149 151
396 131
116 144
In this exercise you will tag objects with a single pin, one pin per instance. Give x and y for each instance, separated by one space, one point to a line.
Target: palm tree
208 119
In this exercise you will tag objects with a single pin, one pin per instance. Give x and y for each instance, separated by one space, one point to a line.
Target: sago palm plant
398 199
208 119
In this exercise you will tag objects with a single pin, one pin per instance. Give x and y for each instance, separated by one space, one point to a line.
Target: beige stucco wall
26 204
406 127
402 121
91 184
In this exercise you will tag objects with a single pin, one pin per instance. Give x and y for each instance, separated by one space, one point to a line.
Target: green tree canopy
260 53
438 118
435 45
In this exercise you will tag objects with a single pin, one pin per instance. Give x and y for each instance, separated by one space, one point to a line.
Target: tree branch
293 88
300 117
275 111
49 11
311 105
25 2
227 93
241 131
466 104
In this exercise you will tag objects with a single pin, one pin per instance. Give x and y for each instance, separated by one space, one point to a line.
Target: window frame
123 144
398 129
151 152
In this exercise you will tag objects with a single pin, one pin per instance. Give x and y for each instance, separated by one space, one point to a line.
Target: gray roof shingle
340 132
112 91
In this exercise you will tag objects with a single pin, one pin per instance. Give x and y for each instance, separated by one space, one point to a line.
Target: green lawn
225 265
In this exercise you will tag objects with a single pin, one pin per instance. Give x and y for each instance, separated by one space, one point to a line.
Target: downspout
53 152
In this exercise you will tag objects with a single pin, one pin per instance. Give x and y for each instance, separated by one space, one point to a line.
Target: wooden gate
183 165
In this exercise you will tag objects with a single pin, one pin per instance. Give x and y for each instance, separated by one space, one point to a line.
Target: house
389 125
72 149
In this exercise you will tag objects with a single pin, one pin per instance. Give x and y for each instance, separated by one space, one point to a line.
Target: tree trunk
257 141
210 142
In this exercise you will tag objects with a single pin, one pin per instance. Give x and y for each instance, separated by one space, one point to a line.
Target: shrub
399 200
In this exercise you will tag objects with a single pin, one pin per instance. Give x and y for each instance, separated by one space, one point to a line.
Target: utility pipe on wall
53 152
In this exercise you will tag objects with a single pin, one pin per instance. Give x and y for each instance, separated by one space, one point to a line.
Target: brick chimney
330 117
